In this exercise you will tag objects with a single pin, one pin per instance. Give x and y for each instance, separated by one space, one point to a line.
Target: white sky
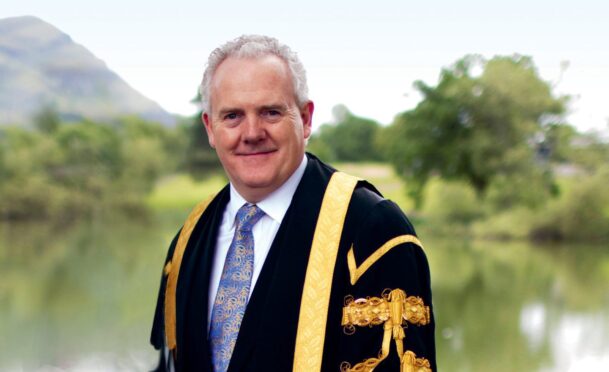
364 54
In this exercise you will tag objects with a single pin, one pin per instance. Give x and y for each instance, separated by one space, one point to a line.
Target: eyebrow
228 110
274 106
278 106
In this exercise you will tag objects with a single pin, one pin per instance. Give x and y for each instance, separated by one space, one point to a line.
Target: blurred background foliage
486 152
509 199
63 171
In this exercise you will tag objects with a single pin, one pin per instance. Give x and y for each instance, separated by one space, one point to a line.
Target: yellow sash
311 332
172 269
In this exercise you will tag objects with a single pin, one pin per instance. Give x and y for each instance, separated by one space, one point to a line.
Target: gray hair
253 46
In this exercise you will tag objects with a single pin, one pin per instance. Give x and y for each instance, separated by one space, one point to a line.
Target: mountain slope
41 66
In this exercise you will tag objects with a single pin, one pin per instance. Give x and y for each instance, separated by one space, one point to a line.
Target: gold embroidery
172 269
375 311
320 269
410 363
356 272
393 310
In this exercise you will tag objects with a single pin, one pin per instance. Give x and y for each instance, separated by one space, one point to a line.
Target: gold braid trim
172 270
356 272
394 309
409 363
320 269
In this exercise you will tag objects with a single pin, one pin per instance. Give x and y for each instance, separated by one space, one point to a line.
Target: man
292 266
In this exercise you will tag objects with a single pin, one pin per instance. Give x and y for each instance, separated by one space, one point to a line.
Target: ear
208 128
306 115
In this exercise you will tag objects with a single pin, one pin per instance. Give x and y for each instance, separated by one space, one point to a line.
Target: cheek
226 140
299 133
291 132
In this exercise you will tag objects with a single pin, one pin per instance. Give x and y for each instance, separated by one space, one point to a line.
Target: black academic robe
267 336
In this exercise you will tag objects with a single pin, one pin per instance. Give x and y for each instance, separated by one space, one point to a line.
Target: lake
82 299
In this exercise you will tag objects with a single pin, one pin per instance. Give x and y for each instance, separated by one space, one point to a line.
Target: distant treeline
51 169
487 149
492 138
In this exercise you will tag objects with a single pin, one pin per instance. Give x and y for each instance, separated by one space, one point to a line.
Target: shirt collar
276 204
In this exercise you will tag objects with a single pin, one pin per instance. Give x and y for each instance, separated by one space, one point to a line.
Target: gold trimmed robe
267 336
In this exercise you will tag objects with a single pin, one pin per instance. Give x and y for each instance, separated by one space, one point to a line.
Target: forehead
251 79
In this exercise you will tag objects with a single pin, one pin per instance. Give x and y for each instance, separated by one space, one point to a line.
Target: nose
253 130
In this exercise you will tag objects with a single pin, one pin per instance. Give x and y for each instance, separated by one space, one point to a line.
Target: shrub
451 203
581 214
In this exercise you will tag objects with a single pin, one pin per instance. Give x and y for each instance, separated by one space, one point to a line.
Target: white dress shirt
274 206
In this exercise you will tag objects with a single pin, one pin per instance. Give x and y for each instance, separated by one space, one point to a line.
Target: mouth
258 153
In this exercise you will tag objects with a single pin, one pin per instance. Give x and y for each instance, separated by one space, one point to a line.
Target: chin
257 182
258 173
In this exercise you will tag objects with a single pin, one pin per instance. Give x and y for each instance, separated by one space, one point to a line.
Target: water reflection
514 307
69 297
81 299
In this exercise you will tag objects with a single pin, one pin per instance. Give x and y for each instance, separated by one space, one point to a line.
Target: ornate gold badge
393 310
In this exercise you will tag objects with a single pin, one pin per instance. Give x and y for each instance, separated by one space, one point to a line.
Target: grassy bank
180 191
579 212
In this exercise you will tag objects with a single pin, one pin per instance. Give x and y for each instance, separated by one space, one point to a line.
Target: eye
231 119
272 114
231 116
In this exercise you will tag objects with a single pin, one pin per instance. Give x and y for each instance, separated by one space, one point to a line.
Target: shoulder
383 241
377 219
380 210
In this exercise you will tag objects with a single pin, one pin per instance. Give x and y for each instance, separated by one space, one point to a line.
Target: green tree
47 119
91 162
200 159
90 152
480 128
589 151
80 169
559 142
149 151
351 138
26 188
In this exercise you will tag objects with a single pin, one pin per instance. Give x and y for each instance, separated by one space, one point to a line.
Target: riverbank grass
180 191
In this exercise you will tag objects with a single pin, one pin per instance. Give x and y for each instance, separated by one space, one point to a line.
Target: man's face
255 124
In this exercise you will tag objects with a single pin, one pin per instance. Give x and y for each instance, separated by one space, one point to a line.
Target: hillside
42 66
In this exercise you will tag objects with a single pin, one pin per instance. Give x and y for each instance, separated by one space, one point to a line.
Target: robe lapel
193 289
268 332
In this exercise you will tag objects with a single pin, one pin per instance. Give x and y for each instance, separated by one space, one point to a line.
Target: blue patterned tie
234 288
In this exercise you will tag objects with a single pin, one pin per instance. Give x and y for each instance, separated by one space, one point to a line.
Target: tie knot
247 216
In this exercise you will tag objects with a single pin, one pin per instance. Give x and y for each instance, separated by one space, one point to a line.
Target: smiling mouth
257 153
